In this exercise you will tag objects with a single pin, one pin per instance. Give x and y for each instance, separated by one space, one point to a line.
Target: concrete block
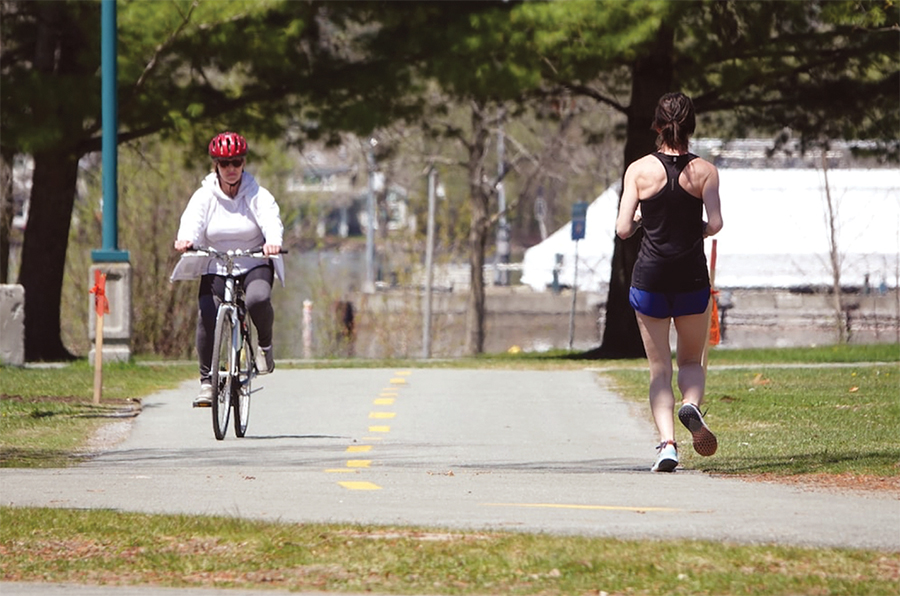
12 324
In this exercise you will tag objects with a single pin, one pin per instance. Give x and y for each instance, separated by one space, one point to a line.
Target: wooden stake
98 361
709 308
101 305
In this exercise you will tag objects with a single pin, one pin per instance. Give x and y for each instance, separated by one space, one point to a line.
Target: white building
776 233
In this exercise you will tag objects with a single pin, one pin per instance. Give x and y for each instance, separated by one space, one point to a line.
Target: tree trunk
478 233
6 212
44 253
834 255
59 53
475 313
651 78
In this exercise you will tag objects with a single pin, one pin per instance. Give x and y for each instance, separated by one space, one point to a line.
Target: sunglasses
234 163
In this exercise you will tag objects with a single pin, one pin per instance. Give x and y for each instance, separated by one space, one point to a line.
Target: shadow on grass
882 462
24 457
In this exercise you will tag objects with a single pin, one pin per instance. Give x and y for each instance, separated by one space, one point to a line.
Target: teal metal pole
110 120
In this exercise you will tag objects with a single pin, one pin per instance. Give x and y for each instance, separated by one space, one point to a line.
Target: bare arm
711 203
629 218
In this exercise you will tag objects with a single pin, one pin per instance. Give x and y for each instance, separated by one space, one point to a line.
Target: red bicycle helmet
228 144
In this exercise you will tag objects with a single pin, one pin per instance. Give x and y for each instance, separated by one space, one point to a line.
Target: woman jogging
231 211
665 193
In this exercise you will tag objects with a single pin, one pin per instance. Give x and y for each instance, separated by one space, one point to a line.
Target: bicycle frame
233 304
233 364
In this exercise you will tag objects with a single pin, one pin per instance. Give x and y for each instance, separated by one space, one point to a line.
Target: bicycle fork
240 330
234 359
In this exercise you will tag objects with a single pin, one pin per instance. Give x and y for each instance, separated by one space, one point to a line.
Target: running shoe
204 398
705 442
265 360
668 457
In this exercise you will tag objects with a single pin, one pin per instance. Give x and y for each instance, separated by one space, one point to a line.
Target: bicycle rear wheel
220 368
242 387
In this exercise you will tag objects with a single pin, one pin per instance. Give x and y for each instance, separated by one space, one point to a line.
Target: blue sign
579 220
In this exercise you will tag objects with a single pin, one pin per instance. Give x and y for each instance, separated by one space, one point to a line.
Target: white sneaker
204 398
265 360
705 442
667 459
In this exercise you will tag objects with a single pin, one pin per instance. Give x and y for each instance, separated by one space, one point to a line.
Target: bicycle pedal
202 404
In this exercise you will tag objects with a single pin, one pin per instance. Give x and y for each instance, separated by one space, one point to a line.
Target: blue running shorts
662 305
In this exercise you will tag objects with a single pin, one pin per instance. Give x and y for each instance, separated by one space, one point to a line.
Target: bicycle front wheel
242 387
220 369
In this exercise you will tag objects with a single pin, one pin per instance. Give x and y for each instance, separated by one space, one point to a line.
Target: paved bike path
540 451
537 451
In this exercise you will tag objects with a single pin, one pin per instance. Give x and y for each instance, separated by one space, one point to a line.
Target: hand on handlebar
260 252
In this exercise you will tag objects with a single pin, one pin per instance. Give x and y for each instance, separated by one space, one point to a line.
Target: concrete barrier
12 324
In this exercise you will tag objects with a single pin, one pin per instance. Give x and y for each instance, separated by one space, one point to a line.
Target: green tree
185 68
825 69
469 50
822 70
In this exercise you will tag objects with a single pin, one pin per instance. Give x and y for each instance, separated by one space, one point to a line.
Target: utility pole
369 285
579 224
501 277
540 212
109 261
429 265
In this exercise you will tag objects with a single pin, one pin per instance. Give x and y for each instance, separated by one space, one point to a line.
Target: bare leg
692 337
655 333
691 331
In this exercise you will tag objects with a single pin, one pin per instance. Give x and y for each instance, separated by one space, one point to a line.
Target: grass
810 355
108 547
76 380
770 419
47 415
782 421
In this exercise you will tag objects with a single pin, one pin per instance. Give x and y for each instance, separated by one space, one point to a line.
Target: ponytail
674 121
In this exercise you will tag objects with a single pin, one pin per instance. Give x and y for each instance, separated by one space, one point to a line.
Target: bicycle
233 364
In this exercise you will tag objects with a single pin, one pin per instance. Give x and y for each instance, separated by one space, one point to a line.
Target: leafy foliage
310 70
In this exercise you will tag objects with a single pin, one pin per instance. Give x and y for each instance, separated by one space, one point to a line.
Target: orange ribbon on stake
101 305
715 335
712 323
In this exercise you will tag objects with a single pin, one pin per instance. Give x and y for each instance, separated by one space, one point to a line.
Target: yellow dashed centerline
351 485
382 415
386 397
359 448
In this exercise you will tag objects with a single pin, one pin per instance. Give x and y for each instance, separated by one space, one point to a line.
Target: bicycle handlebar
253 252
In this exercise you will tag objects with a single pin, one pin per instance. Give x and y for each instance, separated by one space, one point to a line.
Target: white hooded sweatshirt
212 219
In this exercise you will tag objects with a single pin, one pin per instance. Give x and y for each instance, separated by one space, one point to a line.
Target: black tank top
671 257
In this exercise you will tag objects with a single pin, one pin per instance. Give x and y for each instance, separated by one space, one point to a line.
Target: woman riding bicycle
231 211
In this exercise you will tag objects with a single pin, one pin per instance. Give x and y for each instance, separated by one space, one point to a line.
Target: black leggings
257 296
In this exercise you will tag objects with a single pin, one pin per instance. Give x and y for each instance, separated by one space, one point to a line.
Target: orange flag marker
101 305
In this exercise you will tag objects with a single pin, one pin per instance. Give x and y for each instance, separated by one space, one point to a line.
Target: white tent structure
776 233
